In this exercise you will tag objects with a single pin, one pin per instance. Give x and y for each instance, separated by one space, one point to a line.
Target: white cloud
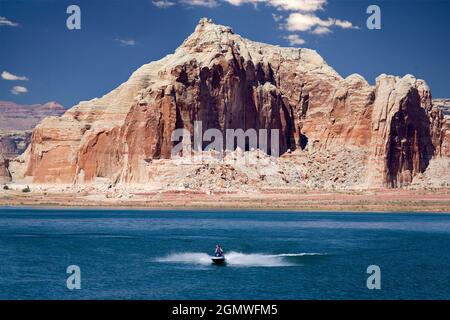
18 90
277 17
294 40
163 4
305 22
237 2
5 22
201 3
287 5
345 24
321 30
240 2
126 42
298 5
12 77
302 15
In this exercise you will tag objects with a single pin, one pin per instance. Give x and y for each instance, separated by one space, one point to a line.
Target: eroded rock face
443 104
5 176
445 136
406 131
228 82
14 143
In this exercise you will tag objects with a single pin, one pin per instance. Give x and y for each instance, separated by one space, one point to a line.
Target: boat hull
218 260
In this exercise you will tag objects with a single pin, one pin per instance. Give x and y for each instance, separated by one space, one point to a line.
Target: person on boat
219 251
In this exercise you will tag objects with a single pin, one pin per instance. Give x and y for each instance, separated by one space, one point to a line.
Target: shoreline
208 209
373 201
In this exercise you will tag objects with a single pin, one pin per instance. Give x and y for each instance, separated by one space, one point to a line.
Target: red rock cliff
228 82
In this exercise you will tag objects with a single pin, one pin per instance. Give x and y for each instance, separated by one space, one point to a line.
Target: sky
42 60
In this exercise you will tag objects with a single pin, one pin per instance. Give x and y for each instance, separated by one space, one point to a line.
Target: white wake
238 259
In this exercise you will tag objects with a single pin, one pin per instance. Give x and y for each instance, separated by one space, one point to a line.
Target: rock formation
14 143
443 104
406 130
5 176
390 131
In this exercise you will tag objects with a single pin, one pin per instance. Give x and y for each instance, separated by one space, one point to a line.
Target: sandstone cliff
389 132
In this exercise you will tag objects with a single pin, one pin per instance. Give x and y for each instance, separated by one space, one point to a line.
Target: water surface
271 255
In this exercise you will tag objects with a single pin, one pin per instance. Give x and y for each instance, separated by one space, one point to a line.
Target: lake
126 254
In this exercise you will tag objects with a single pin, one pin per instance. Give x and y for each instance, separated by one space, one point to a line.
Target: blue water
271 255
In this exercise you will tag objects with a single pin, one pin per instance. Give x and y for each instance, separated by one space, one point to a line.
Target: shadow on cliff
410 146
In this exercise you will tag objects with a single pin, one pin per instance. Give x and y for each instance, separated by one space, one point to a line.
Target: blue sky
44 61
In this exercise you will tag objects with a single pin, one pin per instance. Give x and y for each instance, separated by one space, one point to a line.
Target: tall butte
229 82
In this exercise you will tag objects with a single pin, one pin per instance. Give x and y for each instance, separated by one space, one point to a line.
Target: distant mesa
17 117
17 122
